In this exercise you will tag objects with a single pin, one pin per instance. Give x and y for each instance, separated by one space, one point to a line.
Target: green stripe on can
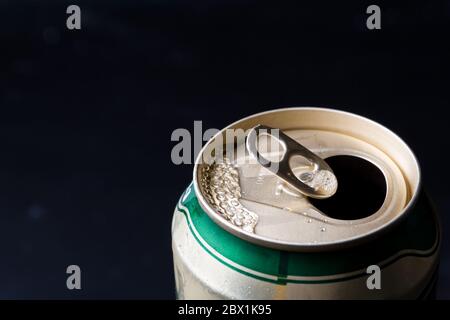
417 235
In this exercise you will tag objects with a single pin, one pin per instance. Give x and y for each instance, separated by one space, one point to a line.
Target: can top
256 205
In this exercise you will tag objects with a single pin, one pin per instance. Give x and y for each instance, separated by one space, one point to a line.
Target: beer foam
323 181
220 183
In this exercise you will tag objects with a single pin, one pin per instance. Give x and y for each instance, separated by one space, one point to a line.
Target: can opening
362 189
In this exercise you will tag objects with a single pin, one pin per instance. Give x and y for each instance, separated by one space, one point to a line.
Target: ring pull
318 182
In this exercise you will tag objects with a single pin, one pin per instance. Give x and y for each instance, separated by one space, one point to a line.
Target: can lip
311 247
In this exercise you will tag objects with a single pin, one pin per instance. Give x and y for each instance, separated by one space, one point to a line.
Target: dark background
86 117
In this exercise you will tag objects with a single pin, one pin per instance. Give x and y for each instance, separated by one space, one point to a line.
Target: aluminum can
239 232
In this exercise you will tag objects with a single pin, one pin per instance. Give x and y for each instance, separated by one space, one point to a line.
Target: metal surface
315 179
300 253
210 263
282 217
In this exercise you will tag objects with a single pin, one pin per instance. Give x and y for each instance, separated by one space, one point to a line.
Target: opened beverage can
335 211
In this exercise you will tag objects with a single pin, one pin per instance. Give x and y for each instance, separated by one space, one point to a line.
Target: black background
86 117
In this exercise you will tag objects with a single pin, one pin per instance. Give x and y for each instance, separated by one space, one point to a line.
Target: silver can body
212 261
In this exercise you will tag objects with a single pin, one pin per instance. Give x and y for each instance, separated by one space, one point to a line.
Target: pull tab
320 182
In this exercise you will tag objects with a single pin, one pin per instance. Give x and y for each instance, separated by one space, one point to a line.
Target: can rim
284 245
